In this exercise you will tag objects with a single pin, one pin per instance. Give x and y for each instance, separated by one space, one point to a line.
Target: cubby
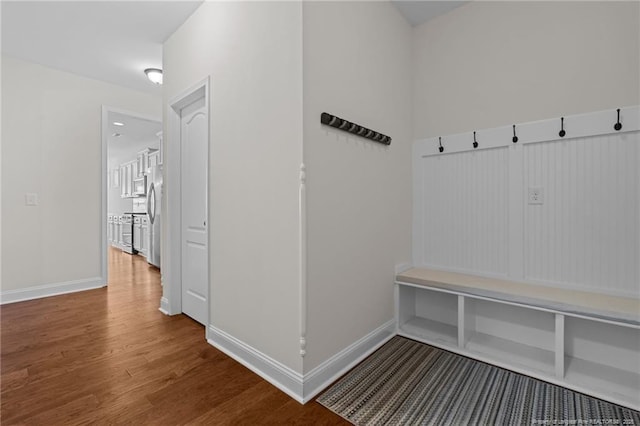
603 356
510 334
429 314
570 345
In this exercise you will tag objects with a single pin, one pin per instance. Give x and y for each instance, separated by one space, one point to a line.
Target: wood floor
108 356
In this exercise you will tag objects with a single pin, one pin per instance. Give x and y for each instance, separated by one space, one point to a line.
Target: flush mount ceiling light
117 123
154 74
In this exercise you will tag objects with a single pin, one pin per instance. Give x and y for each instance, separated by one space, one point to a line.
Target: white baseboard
318 379
279 375
47 290
300 387
164 305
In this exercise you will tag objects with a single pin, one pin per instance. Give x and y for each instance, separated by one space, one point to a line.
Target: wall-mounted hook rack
475 142
562 133
440 148
347 126
515 138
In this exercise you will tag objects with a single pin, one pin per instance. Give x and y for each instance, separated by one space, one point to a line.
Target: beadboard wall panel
586 232
464 199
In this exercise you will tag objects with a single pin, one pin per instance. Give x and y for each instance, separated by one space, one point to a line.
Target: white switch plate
31 199
536 195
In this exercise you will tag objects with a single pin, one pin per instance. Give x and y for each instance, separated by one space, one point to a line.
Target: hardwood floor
108 356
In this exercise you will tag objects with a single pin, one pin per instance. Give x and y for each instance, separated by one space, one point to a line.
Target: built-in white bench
584 341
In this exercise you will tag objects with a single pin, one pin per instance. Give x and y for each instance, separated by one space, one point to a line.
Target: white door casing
194 139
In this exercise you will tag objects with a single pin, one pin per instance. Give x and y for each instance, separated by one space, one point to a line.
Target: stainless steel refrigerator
154 198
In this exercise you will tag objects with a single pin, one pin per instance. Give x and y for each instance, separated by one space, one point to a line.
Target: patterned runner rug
410 383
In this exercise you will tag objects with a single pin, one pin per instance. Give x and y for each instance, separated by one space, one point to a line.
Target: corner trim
302 388
48 290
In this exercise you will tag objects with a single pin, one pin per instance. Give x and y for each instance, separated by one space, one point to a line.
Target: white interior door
194 135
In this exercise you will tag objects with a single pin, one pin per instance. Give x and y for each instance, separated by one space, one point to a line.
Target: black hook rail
347 126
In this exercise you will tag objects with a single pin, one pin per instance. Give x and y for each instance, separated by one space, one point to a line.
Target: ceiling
136 135
114 41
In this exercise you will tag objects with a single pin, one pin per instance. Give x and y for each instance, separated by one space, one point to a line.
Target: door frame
171 302
104 181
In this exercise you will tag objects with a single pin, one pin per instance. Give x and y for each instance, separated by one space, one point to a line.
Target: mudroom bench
584 341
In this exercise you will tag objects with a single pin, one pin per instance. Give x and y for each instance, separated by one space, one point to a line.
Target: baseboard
316 380
302 388
279 375
164 305
47 290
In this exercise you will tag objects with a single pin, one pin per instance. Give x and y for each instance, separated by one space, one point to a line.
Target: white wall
488 64
51 145
252 52
357 65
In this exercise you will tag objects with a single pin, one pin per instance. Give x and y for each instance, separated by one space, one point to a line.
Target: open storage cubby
510 334
604 357
550 339
428 315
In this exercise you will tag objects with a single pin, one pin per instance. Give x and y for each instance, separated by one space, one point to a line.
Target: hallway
109 356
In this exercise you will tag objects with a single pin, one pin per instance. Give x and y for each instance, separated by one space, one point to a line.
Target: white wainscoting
464 204
472 212
587 231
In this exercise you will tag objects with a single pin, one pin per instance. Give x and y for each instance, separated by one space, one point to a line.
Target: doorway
187 289
132 156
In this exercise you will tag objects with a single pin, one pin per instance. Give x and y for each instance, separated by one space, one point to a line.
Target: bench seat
581 303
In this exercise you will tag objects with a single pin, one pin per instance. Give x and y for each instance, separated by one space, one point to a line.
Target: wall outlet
31 199
536 195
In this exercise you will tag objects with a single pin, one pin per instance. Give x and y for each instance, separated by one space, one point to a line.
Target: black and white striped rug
409 383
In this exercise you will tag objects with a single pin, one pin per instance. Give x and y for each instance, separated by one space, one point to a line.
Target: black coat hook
475 142
441 148
515 138
562 132
618 125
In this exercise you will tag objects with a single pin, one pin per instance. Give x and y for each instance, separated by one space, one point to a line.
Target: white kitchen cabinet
144 159
123 180
128 173
144 236
141 162
116 231
154 158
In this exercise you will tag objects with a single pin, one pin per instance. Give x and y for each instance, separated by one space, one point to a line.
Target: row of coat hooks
562 133
347 126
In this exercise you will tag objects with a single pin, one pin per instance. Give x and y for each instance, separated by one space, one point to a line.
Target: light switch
31 199
536 195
